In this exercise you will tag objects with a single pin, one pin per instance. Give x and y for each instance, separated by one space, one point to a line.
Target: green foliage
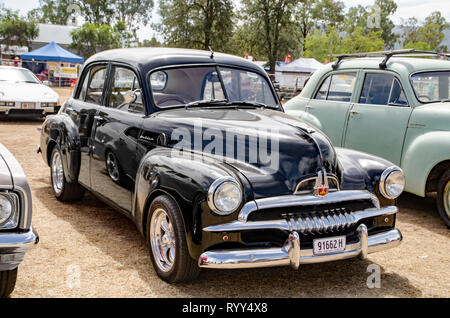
320 44
92 38
374 18
51 11
427 36
16 30
196 23
153 42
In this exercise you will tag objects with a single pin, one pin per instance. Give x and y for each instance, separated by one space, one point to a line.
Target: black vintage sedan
195 148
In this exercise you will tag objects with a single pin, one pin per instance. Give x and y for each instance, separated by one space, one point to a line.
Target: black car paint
85 132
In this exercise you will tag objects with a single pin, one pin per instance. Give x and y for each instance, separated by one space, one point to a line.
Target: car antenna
212 52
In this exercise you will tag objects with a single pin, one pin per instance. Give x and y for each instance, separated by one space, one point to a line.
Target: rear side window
96 83
382 89
337 87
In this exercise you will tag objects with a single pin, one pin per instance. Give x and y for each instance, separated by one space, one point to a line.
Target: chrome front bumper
13 247
291 253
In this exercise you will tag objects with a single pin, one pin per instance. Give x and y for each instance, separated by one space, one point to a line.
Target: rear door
82 109
329 108
378 121
117 126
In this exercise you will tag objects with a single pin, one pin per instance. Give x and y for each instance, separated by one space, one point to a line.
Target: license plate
27 105
329 245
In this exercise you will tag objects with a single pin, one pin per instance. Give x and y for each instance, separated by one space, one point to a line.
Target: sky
405 9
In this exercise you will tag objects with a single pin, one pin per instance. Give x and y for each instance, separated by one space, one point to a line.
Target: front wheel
167 242
7 282
443 197
63 190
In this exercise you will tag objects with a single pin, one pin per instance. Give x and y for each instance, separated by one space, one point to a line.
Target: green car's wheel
443 197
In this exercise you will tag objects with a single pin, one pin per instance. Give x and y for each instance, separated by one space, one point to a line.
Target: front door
377 123
117 125
329 108
82 109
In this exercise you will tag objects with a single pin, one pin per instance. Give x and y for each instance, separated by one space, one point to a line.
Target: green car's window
382 89
431 86
337 87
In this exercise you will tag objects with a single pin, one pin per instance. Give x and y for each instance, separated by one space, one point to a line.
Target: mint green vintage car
393 106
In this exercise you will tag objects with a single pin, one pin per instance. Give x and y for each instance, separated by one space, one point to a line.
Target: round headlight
224 196
392 182
6 209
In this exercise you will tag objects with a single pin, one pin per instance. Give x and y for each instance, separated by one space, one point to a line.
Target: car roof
149 58
397 64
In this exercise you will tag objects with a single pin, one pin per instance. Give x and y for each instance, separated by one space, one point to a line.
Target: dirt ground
87 249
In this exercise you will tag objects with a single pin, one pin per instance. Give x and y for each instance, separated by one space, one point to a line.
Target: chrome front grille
327 221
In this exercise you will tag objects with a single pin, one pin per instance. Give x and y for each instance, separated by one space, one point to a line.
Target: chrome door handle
354 112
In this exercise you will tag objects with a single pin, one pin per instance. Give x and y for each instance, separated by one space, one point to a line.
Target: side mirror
46 83
130 96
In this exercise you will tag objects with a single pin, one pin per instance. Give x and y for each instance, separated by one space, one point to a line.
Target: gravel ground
91 241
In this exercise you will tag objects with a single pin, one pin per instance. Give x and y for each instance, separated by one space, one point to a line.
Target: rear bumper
13 247
291 253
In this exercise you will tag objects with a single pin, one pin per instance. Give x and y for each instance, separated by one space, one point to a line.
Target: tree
153 42
16 30
196 23
317 14
92 38
268 21
320 45
52 11
132 13
427 36
374 18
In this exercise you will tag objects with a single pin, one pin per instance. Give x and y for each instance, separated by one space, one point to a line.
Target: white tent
294 74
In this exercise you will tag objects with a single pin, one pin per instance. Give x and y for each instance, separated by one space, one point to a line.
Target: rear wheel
167 242
7 282
63 190
443 197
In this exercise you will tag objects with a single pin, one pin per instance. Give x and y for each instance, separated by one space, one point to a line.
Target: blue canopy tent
52 52
36 61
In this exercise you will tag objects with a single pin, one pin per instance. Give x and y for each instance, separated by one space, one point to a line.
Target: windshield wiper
248 103
206 102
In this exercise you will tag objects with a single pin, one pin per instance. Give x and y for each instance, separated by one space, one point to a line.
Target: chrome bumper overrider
291 253
13 247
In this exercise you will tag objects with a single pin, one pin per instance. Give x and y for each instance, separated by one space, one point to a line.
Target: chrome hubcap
447 199
57 173
162 240
111 164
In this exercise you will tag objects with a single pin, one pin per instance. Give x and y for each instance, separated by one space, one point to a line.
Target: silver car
16 232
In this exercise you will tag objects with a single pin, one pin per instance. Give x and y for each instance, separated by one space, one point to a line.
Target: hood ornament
321 186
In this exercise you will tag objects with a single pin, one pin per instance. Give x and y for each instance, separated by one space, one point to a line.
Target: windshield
184 85
431 86
17 75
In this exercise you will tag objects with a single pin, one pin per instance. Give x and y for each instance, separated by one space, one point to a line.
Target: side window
125 93
96 83
341 87
82 95
323 90
337 87
382 89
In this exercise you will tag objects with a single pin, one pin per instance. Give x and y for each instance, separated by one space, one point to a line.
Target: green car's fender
421 155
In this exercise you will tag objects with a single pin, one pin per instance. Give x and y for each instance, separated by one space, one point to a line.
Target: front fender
61 130
421 155
186 177
360 170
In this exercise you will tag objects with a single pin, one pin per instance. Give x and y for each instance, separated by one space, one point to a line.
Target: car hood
296 150
434 116
27 92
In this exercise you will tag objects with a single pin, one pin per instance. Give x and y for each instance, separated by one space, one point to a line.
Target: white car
23 94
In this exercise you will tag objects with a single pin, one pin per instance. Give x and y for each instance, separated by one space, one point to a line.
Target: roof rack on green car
387 55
